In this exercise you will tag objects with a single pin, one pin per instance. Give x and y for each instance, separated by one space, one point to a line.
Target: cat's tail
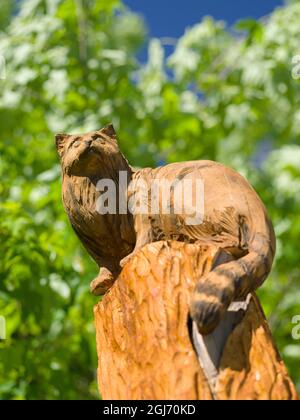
232 280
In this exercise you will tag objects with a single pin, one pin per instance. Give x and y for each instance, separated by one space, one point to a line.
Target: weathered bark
144 340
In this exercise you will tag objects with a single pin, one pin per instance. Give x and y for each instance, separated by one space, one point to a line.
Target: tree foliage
71 66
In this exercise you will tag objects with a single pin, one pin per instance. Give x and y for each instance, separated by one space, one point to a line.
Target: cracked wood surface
143 334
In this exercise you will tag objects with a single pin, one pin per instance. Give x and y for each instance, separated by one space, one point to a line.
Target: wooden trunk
144 339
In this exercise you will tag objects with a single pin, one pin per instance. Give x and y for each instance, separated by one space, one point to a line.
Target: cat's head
86 155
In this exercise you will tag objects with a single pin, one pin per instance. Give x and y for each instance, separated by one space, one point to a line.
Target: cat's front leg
103 282
143 229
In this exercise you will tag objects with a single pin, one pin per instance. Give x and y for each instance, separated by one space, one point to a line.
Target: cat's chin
88 165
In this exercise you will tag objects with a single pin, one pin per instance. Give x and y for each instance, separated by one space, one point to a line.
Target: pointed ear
109 131
60 140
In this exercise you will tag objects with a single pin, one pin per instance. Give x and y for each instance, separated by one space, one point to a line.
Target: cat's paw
102 283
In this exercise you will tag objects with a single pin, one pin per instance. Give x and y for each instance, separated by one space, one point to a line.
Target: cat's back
223 187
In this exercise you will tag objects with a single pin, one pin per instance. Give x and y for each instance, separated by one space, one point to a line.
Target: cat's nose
88 142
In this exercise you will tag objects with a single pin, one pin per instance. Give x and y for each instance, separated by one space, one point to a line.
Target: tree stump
145 341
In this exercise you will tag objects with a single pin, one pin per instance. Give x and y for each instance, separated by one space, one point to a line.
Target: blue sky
169 18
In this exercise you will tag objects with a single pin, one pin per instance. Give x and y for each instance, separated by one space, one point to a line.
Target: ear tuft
60 142
109 131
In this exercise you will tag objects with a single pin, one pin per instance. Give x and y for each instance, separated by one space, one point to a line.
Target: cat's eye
98 138
75 142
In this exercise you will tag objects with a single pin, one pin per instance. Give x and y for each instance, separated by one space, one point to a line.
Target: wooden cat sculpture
234 218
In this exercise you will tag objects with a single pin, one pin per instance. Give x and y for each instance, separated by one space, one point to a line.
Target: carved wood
193 201
144 340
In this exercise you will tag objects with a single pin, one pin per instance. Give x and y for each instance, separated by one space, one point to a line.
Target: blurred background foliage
71 66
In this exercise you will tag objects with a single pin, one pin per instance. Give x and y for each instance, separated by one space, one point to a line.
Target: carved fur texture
234 218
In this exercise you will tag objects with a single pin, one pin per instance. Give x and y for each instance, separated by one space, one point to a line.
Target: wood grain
143 338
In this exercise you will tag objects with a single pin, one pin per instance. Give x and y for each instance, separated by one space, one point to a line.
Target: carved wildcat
234 218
